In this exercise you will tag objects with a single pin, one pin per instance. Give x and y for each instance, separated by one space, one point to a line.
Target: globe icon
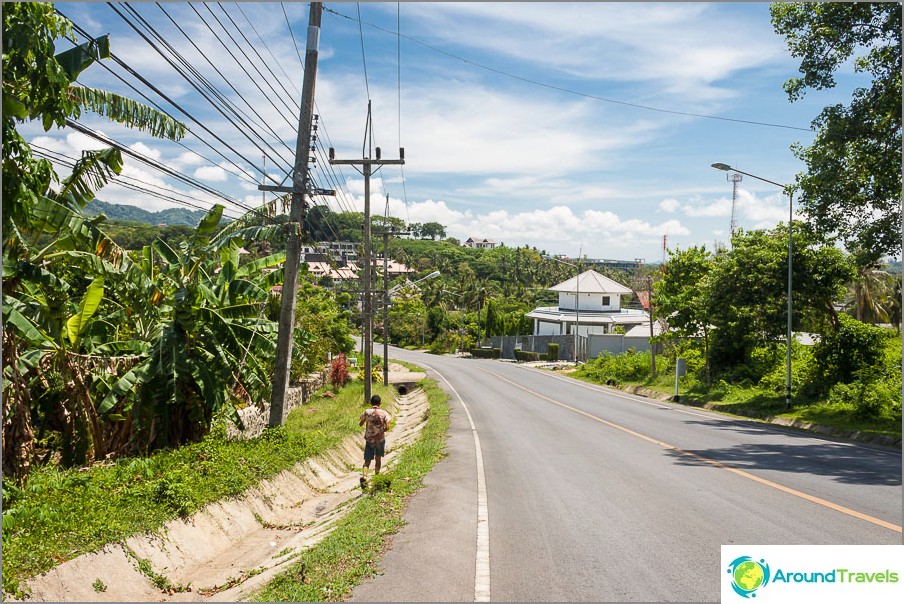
748 575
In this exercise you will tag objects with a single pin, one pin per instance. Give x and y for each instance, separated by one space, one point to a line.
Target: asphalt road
595 495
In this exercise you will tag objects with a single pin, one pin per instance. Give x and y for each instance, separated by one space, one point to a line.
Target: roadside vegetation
330 570
63 513
867 400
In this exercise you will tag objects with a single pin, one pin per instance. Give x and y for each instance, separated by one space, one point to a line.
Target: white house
592 303
481 244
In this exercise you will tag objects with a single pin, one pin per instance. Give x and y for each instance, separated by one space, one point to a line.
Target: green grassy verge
330 570
62 514
759 403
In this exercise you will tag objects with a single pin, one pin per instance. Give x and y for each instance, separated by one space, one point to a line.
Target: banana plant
215 348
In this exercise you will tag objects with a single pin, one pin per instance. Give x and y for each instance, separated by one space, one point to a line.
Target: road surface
555 489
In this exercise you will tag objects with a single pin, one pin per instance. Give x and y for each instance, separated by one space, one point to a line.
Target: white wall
590 302
545 328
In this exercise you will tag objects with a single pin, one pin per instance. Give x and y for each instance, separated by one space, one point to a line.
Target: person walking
375 421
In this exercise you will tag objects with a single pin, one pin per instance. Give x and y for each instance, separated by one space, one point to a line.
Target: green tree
853 181
45 335
747 290
433 230
680 296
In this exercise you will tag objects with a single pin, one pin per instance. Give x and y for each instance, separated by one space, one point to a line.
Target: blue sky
489 155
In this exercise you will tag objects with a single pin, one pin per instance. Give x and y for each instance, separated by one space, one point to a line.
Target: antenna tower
734 178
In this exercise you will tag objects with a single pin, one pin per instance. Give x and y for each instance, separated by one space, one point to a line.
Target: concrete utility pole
296 218
367 165
386 235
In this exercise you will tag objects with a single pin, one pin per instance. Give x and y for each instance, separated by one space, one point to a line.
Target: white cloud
143 149
211 173
669 205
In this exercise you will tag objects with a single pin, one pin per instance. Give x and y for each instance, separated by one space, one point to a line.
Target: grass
62 514
330 570
758 403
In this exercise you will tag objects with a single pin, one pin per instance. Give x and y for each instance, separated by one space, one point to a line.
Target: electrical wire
155 164
240 173
198 89
363 57
562 89
126 181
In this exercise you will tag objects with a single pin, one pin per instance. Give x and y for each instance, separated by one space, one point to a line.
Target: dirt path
234 546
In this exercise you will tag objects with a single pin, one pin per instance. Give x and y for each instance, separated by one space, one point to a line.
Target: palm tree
872 294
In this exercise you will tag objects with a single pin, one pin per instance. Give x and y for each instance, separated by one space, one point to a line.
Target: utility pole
367 165
386 235
296 218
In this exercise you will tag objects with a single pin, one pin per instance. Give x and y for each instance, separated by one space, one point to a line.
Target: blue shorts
374 449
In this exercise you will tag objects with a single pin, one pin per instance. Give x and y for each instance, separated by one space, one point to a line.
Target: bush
552 352
525 355
486 353
613 369
339 371
878 400
850 348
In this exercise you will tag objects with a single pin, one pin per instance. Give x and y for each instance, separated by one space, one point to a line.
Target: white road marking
482 572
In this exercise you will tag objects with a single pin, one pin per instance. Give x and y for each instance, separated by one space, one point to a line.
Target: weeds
331 570
85 509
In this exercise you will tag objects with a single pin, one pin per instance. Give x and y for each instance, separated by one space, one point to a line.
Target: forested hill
115 211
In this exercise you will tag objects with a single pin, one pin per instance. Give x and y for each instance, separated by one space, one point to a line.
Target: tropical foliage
852 185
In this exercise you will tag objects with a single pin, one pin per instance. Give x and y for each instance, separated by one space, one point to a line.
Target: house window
605 300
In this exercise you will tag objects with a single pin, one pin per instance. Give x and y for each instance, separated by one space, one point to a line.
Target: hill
169 216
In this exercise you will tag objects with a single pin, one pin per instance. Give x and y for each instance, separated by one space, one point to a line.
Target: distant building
393 267
480 244
625 265
590 303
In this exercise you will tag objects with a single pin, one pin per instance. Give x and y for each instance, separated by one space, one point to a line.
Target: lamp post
790 191
389 294
577 301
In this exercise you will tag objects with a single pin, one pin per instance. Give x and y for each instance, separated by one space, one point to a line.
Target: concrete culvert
402 389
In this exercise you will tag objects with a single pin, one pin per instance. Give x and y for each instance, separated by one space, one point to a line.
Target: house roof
591 282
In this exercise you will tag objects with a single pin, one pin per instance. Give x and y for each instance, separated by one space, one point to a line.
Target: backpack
375 426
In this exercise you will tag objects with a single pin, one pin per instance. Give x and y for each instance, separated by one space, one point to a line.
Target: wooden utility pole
296 218
367 165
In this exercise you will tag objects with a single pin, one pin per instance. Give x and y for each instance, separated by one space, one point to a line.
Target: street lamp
788 189
577 301
389 294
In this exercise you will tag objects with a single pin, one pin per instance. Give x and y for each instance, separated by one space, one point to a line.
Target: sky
563 127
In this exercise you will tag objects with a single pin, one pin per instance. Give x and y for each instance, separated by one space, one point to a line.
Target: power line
126 181
222 97
363 57
196 87
562 89
241 173
155 164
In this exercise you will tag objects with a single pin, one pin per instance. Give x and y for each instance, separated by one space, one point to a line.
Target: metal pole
385 307
296 219
577 311
790 247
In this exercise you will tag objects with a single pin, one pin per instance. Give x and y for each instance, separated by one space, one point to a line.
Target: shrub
850 348
878 400
486 353
552 352
526 355
611 368
339 371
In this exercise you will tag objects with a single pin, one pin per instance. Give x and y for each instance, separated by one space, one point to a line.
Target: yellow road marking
712 462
